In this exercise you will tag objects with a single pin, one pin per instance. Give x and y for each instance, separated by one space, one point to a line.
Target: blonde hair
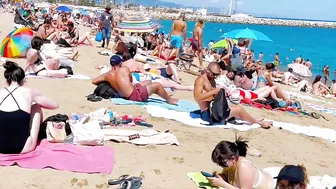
306 178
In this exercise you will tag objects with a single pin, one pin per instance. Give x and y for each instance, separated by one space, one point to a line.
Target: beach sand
164 167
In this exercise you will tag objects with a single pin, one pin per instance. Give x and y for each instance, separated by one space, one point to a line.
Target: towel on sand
75 76
315 182
193 119
182 106
147 137
59 156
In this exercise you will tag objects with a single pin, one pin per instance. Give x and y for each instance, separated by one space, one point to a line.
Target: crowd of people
21 107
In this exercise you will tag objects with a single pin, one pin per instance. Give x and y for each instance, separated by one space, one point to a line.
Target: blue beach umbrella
246 33
63 9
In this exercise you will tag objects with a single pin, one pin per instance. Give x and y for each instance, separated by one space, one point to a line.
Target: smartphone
207 174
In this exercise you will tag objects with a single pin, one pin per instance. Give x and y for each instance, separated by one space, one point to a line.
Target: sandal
132 184
122 179
94 98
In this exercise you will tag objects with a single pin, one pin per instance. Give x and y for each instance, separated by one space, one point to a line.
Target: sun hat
116 60
291 173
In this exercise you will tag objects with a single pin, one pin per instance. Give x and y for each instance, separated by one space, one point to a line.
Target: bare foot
265 124
173 101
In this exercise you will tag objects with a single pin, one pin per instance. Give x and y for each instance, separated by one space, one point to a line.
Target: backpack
219 108
105 90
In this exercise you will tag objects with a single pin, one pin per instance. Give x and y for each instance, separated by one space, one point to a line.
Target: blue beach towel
182 106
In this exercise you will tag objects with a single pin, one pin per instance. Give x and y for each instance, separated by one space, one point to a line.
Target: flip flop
94 98
133 184
122 179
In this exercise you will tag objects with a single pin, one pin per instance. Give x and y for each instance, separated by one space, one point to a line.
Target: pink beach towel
88 159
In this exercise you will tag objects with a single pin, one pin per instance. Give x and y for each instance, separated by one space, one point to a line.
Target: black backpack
104 90
219 108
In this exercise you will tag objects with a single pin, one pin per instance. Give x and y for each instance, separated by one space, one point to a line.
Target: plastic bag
99 36
87 131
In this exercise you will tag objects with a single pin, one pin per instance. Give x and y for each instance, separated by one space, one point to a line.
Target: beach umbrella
16 43
137 25
246 33
63 9
223 44
137 40
300 70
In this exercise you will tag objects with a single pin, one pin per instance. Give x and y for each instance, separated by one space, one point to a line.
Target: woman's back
15 107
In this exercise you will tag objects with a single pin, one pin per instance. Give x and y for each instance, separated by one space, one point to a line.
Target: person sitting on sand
333 87
20 112
238 172
46 32
265 79
318 87
205 91
160 52
48 66
74 36
291 176
120 79
292 80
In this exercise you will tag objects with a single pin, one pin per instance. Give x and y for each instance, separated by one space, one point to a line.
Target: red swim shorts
139 94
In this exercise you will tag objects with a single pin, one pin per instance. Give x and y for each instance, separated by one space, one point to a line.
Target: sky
304 9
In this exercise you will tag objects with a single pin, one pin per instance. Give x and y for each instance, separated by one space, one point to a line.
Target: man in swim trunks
326 74
196 43
175 36
276 59
120 79
205 91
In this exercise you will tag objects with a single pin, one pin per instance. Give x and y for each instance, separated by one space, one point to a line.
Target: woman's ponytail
241 146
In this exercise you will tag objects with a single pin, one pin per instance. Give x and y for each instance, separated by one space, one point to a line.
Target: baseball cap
116 60
291 173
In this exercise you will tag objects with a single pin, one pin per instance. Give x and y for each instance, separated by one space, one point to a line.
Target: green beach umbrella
223 43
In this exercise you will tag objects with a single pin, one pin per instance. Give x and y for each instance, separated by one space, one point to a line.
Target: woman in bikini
319 88
238 172
20 112
47 67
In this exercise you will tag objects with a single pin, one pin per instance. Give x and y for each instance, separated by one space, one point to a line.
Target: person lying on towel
120 79
205 92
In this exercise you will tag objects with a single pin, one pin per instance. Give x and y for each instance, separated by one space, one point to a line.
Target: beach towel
305 97
193 119
183 105
321 108
145 137
75 76
315 182
59 156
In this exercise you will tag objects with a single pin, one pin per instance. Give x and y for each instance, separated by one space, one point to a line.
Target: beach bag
56 132
105 90
87 131
219 108
55 118
99 36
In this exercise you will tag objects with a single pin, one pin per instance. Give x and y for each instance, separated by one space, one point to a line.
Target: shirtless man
308 64
276 59
120 79
176 40
197 39
45 32
205 92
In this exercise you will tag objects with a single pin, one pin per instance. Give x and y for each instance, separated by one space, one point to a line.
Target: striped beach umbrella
16 43
137 25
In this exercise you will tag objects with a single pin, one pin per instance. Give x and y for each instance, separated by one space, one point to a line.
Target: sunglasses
291 185
213 74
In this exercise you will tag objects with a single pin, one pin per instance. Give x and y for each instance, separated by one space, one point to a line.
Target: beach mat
59 156
75 76
183 105
315 182
193 119
321 108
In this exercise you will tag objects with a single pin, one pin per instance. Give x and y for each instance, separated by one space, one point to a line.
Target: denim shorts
106 33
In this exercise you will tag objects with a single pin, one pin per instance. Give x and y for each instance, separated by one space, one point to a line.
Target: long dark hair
226 150
317 79
13 73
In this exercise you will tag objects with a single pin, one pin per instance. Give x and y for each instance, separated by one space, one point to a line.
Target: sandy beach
165 167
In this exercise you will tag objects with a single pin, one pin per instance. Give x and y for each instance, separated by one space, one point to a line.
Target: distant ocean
316 44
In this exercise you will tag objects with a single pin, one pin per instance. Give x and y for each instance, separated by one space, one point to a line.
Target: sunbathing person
74 38
205 91
48 66
292 80
120 79
20 112
319 88
160 52
46 32
238 172
265 79
291 176
333 87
